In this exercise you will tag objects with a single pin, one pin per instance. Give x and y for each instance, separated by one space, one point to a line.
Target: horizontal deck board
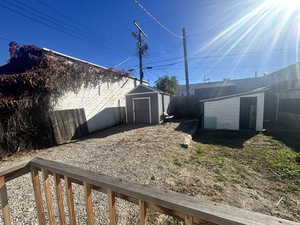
14 171
206 210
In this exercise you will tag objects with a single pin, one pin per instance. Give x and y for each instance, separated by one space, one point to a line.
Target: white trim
74 58
133 111
158 113
153 92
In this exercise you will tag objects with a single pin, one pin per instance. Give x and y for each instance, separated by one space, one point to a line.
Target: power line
156 20
122 62
37 20
50 22
42 15
215 56
69 20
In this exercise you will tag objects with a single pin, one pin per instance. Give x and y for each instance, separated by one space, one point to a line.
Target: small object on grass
187 141
279 201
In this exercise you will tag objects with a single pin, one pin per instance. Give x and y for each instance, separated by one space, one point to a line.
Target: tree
167 84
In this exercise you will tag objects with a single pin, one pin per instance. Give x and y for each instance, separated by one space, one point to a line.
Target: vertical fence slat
112 207
48 196
60 199
89 204
4 202
70 201
38 196
188 220
143 213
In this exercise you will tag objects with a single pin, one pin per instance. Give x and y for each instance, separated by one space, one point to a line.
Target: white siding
102 107
225 114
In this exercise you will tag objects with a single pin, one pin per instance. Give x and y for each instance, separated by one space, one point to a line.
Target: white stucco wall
225 114
101 104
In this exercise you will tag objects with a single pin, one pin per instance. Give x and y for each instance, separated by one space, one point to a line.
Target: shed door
248 109
141 111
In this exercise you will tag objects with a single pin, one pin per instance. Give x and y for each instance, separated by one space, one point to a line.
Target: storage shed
146 105
243 111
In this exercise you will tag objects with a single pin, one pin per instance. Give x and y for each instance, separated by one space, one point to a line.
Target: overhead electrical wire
40 20
157 21
27 8
68 20
215 56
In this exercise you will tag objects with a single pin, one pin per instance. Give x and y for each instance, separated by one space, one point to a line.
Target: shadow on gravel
188 126
111 131
232 139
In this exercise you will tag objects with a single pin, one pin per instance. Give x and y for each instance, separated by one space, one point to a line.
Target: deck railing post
89 204
70 201
188 220
38 196
112 207
4 202
143 213
60 199
48 196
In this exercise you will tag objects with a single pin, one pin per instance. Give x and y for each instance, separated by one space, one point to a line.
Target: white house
103 106
243 111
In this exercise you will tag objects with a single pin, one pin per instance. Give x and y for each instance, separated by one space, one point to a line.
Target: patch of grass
285 161
218 188
200 150
177 162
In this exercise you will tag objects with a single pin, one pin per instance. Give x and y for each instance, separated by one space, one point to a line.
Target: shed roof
145 89
255 91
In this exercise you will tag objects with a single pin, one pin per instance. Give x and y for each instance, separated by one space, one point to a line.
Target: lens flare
269 18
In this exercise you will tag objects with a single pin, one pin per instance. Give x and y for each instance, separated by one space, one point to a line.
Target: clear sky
226 38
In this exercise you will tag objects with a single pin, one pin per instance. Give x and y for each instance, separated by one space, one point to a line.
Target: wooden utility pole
141 49
187 82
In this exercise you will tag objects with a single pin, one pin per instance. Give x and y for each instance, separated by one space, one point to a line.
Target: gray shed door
141 111
248 108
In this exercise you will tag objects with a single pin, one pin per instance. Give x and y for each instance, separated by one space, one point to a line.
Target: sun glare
284 4
272 17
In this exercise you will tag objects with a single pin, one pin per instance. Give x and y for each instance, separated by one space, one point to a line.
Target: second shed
146 105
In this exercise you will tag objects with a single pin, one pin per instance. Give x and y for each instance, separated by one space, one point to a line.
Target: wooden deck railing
178 205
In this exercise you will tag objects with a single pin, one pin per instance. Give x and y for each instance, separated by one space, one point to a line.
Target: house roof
87 62
232 87
255 91
33 71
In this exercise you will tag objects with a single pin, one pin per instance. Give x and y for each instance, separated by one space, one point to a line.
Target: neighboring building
104 105
281 100
223 88
146 105
47 97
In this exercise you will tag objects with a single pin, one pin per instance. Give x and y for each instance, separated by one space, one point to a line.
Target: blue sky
260 40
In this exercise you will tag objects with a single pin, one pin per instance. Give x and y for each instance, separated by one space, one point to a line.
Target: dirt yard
251 171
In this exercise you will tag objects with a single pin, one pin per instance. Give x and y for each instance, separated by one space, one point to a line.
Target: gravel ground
133 154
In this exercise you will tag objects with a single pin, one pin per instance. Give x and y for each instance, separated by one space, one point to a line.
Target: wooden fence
188 209
68 125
